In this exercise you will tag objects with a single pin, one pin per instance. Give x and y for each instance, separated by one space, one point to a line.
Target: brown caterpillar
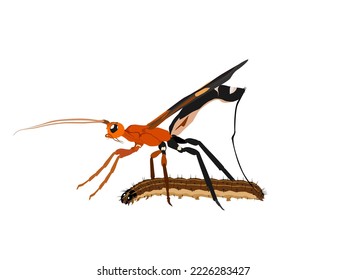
192 188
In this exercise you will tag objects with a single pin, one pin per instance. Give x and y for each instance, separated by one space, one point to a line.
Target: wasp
151 135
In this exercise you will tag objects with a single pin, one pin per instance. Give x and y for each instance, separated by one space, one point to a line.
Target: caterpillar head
128 196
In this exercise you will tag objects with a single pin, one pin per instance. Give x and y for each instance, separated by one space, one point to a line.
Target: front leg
121 153
99 170
128 152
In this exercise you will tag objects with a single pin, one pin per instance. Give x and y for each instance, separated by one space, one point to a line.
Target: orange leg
153 155
107 177
99 170
121 153
162 148
166 178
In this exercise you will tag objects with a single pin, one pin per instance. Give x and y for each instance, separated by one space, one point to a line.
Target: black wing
191 104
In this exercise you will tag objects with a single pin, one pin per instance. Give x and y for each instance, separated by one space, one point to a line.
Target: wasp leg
173 144
99 170
121 153
162 151
153 155
210 155
162 147
107 177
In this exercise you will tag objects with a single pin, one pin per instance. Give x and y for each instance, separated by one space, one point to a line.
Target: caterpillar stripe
192 187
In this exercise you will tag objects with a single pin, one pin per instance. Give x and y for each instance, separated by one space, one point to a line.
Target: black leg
173 144
211 156
207 152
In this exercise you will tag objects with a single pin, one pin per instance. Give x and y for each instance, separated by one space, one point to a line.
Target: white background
128 61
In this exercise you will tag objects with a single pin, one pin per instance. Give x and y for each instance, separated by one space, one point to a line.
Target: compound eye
113 128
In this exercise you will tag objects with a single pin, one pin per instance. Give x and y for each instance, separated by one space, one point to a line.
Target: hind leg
174 145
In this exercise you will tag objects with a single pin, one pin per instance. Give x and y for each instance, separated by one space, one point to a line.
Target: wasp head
114 130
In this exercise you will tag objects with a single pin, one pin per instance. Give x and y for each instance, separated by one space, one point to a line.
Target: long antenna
64 121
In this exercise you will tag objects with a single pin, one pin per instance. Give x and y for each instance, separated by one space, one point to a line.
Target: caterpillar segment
194 188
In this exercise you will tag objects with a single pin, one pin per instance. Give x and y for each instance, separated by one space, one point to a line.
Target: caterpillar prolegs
194 188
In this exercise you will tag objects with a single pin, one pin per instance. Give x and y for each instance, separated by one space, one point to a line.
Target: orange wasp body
151 135
142 135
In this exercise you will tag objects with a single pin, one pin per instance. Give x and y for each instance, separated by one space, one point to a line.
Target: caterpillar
192 187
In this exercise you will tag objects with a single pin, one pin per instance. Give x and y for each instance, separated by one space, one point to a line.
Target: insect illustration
151 135
192 187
